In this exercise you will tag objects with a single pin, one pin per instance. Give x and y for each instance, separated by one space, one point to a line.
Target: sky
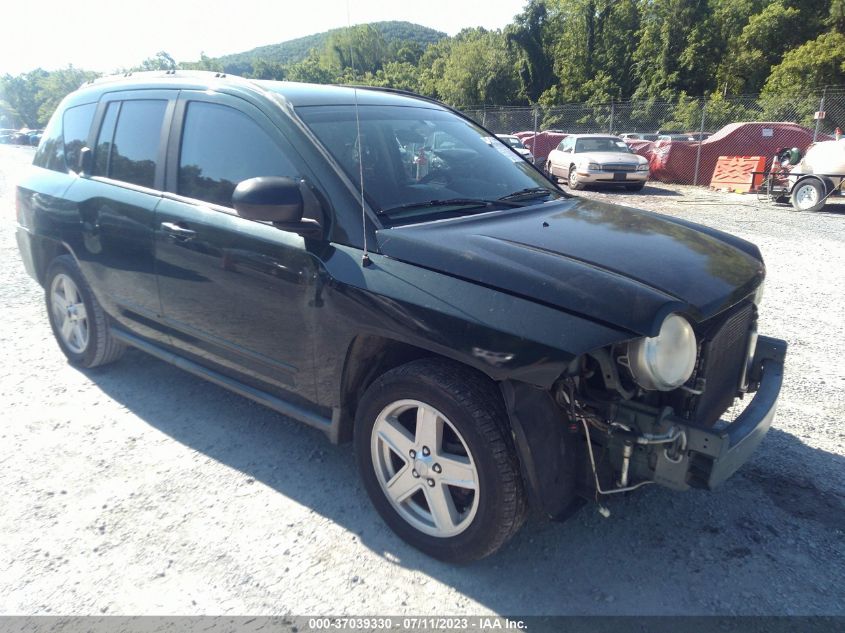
105 35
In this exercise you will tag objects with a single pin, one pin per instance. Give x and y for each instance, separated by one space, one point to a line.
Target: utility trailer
806 192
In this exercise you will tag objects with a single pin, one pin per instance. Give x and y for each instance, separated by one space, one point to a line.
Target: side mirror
275 199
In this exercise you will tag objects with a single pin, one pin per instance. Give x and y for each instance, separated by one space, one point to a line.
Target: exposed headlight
666 361
593 167
643 167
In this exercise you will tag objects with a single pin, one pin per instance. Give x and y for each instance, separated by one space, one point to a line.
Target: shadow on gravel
770 541
649 190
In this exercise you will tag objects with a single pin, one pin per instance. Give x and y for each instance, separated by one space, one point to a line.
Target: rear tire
423 425
76 318
809 195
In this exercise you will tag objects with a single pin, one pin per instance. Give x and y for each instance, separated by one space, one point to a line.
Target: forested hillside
393 33
553 52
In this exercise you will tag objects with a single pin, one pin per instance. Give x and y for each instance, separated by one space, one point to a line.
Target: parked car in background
33 137
6 135
675 137
684 136
638 136
586 159
516 144
20 137
483 339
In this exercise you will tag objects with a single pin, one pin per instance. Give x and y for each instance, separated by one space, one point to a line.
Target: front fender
504 336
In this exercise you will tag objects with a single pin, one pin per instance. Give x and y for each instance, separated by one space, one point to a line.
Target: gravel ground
141 489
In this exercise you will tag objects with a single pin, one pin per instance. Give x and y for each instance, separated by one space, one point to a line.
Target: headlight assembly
593 167
758 295
643 167
666 361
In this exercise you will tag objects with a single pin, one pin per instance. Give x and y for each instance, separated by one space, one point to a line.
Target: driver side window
222 146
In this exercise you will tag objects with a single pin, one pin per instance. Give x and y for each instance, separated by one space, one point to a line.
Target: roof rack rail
173 72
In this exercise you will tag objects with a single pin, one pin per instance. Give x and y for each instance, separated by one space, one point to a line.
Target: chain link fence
682 139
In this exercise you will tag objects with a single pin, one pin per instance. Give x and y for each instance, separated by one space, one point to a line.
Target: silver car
585 159
516 144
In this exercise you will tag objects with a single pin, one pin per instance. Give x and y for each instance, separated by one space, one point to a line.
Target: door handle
176 230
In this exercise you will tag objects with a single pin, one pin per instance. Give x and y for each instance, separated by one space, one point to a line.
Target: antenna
365 260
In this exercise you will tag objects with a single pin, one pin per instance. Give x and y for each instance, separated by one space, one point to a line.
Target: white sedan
585 159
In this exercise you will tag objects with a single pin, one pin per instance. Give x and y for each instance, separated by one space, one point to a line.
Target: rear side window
51 151
135 146
76 124
221 147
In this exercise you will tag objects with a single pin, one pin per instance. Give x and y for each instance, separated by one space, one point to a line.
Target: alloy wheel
424 468
69 313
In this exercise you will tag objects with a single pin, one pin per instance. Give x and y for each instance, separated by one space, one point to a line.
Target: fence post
821 109
484 115
534 139
698 151
612 113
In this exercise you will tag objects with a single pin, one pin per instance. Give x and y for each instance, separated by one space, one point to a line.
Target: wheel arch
547 453
44 252
368 357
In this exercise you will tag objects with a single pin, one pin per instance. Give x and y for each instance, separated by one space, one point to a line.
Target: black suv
376 265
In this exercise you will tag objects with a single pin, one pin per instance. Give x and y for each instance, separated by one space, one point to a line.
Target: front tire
573 181
435 457
77 320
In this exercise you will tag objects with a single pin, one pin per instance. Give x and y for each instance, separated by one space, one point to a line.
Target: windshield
415 156
601 145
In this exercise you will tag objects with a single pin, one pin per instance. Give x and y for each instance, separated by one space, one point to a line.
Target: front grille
618 167
723 355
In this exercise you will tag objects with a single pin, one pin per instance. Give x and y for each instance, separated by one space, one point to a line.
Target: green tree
360 47
675 49
472 68
205 63
530 37
20 92
54 86
399 75
310 70
265 69
160 61
806 68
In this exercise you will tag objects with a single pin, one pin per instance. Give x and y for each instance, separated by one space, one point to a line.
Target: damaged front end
652 414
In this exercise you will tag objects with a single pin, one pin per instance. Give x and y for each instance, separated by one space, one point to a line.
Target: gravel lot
141 489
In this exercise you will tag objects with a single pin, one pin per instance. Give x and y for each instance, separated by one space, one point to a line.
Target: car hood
610 157
618 266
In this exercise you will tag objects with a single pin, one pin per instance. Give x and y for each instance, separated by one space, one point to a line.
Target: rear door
117 204
238 295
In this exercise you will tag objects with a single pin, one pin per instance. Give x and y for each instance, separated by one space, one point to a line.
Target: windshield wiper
533 192
451 202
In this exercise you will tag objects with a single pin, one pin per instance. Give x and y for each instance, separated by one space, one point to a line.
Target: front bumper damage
708 455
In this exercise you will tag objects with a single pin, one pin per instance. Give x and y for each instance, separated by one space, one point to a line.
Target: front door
236 294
